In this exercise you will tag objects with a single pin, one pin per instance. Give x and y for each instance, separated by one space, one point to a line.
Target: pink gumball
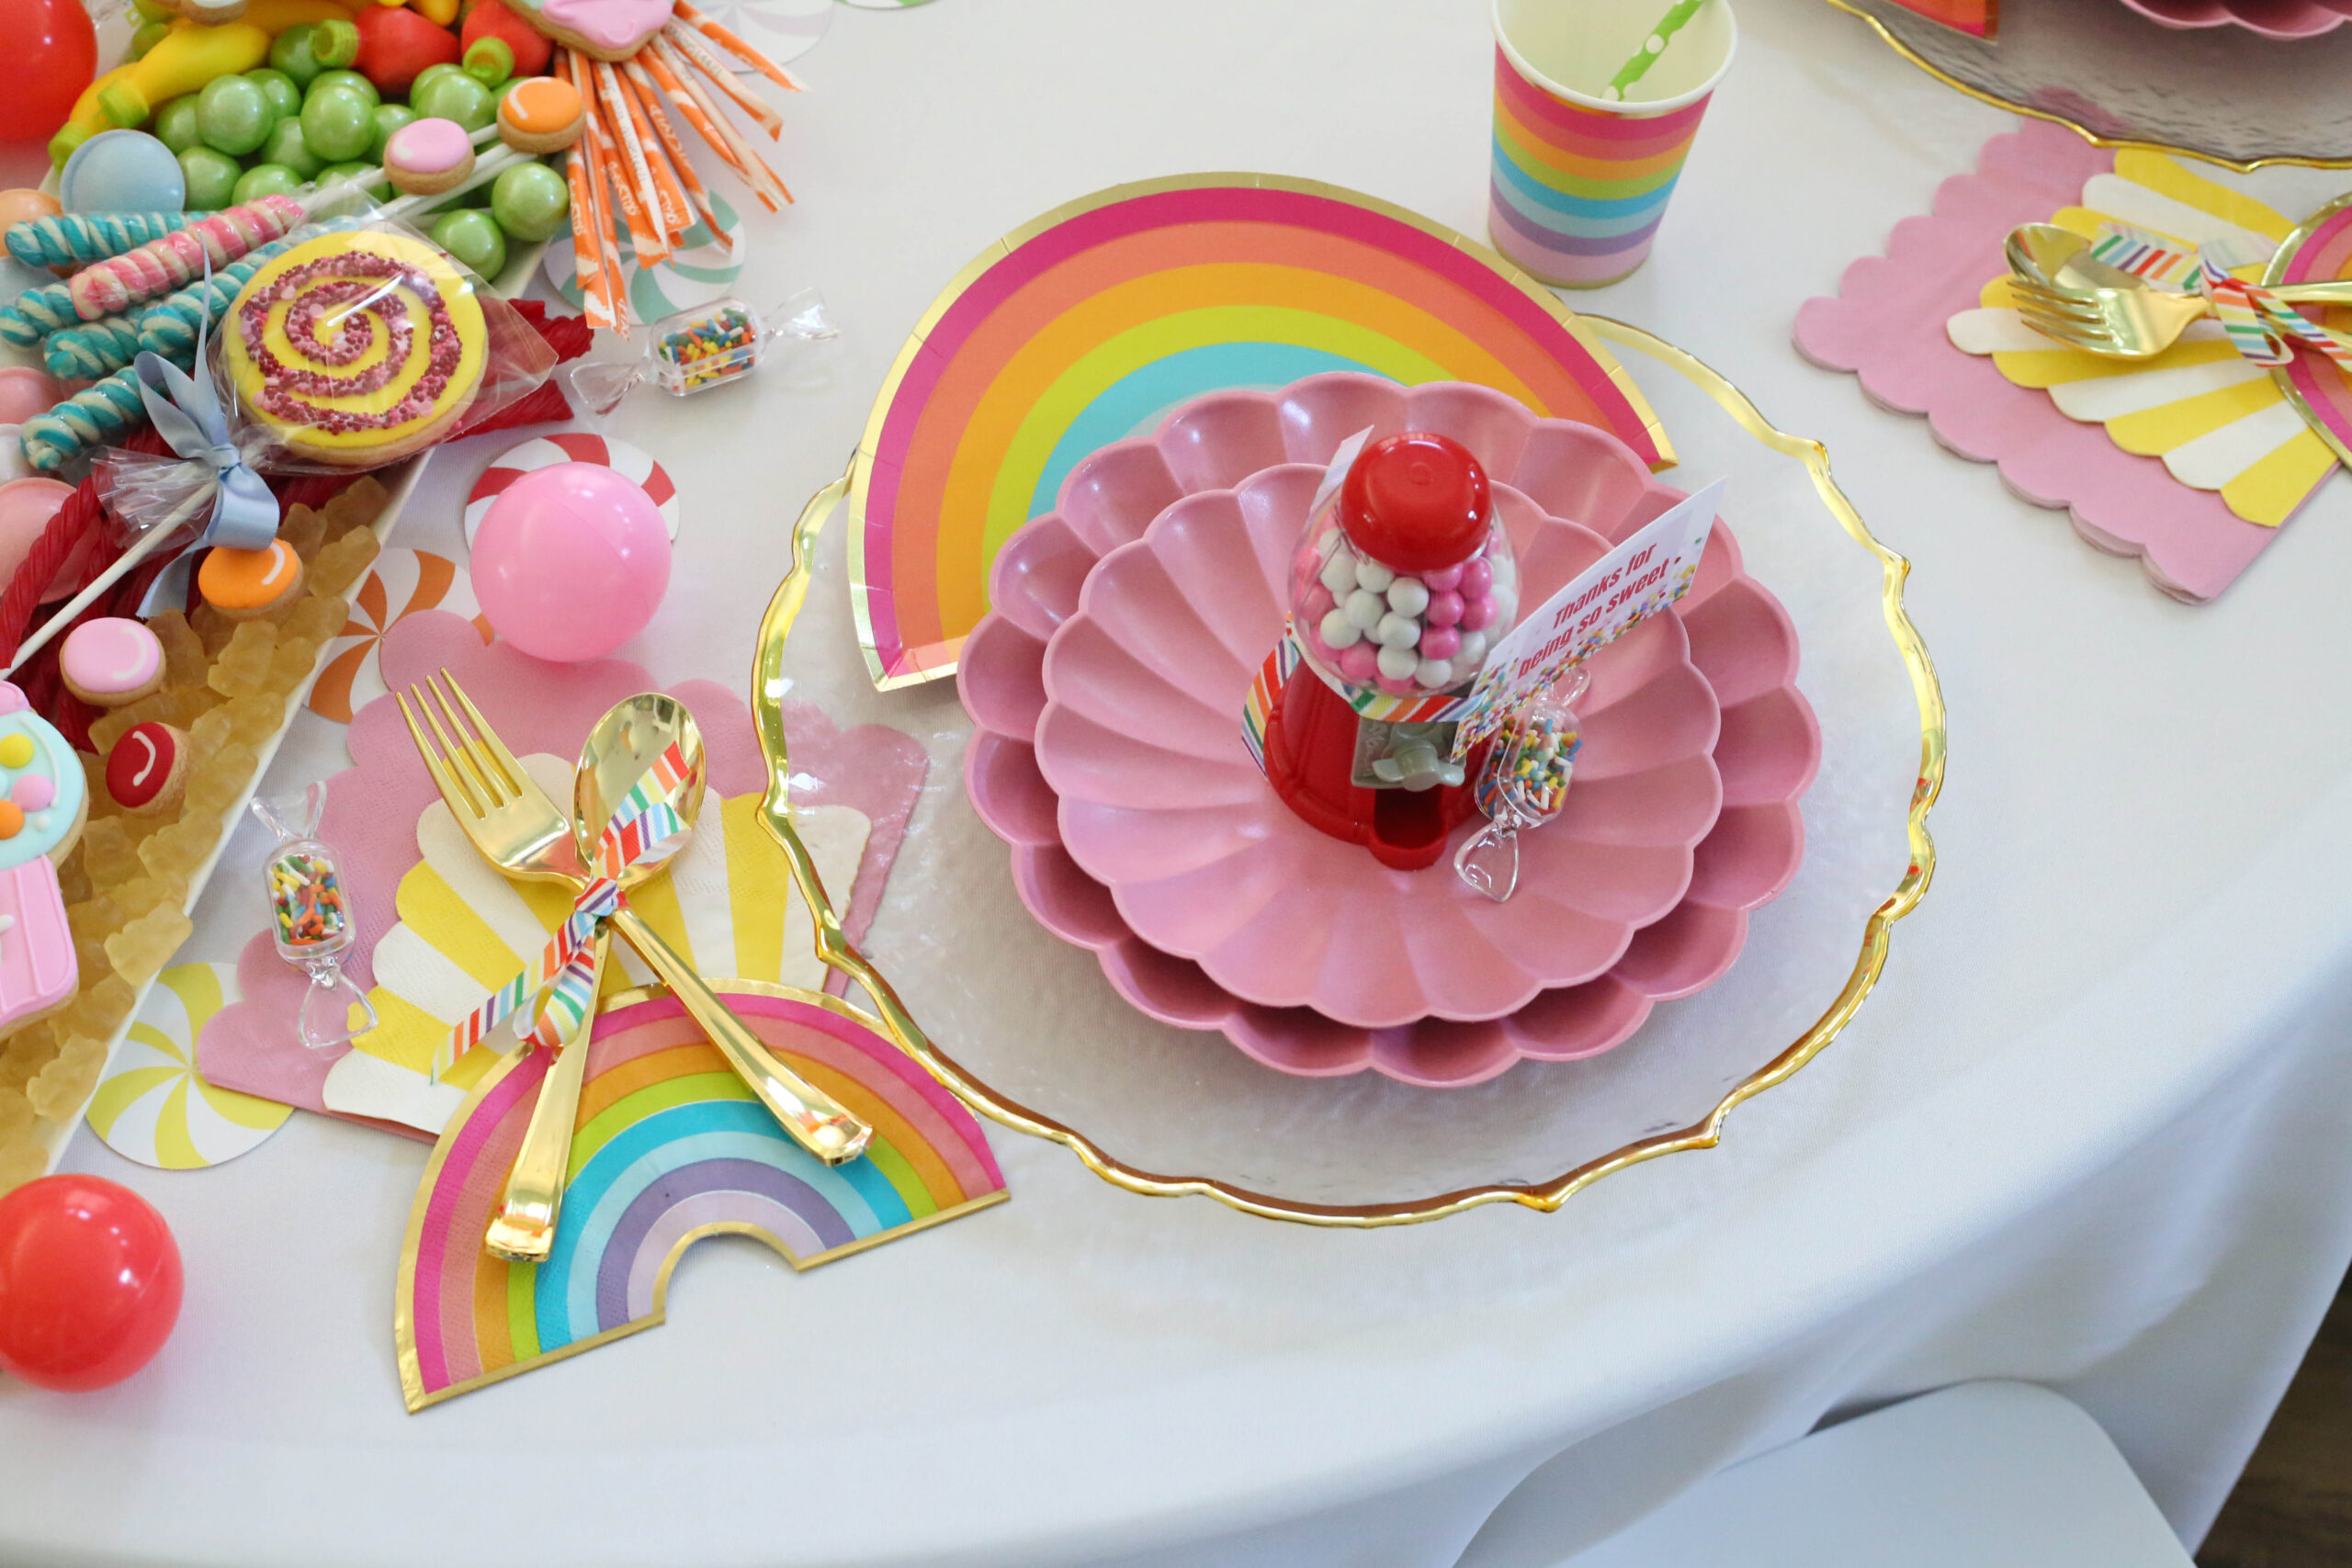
1359 663
1445 608
1478 612
1442 579
1397 686
1439 642
1478 576
1317 603
571 562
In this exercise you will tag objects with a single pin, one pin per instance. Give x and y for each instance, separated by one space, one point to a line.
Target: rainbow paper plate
671 1148
1086 325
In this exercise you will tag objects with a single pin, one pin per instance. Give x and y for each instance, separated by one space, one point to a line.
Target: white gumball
1436 674
1373 575
1398 663
1363 609
1472 652
1396 631
1339 574
1409 596
1506 607
1339 631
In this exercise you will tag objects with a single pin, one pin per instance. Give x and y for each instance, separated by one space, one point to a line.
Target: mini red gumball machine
1403 581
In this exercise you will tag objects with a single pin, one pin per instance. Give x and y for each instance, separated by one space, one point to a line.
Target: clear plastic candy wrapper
1408 611
709 345
310 920
1521 785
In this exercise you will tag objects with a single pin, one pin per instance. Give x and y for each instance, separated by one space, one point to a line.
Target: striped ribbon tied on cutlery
644 832
2260 325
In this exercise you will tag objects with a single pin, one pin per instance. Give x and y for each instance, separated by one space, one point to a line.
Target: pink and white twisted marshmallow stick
168 264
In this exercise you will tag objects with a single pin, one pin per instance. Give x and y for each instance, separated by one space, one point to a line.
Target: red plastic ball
1416 502
53 55
89 1282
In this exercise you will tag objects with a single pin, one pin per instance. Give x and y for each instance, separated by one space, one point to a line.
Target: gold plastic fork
2063 292
510 819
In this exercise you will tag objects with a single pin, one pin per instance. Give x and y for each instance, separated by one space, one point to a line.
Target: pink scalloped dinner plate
2271 18
1729 629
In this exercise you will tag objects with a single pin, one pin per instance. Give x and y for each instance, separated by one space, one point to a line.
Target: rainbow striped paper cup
1580 179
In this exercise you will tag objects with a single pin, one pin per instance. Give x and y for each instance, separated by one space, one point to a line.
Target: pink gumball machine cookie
46 802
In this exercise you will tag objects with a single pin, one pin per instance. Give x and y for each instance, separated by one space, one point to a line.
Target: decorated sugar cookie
245 585
45 801
541 113
111 661
147 769
355 349
602 29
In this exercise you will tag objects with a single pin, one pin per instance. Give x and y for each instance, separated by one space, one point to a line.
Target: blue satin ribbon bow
187 414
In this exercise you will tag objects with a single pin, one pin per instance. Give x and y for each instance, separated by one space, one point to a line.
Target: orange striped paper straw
676 216
648 99
598 139
737 46
747 162
630 150
668 82
587 221
679 37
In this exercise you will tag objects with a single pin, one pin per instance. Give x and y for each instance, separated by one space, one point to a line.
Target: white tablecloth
2088 1133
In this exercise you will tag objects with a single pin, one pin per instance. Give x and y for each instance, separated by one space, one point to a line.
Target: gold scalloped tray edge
1702 1133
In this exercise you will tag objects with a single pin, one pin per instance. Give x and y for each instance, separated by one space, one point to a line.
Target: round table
2087 1132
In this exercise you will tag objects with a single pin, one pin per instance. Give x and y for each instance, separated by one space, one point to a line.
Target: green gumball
472 236
211 178
301 52
232 115
337 124
352 81
285 97
266 179
287 148
530 202
390 118
347 170
454 96
176 124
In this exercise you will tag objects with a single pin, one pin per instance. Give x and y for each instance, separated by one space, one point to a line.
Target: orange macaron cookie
247 584
541 113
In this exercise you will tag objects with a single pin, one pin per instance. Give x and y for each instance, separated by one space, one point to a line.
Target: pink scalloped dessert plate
1141 739
1765 749
2280 19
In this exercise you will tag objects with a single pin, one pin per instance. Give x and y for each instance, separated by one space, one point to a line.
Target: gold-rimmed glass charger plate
2221 94
1029 1031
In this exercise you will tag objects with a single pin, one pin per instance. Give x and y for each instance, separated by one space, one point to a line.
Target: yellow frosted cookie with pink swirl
355 349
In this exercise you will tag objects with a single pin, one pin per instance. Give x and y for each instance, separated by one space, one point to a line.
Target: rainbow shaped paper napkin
671 1148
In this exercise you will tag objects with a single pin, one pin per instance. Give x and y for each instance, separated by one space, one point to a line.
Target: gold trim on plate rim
2272 276
1705 1133
2113 143
862 464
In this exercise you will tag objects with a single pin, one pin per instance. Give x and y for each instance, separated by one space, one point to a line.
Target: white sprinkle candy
1339 631
1398 663
1364 608
1435 674
1409 596
1339 574
1373 575
1396 631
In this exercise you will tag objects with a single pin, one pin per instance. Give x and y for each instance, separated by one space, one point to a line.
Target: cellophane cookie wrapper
362 346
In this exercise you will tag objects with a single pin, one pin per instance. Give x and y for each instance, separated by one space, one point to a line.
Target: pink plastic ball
1445 608
571 563
25 391
1359 663
1478 612
1439 642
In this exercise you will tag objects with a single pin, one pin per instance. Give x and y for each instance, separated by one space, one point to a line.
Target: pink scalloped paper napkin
373 810
1887 325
